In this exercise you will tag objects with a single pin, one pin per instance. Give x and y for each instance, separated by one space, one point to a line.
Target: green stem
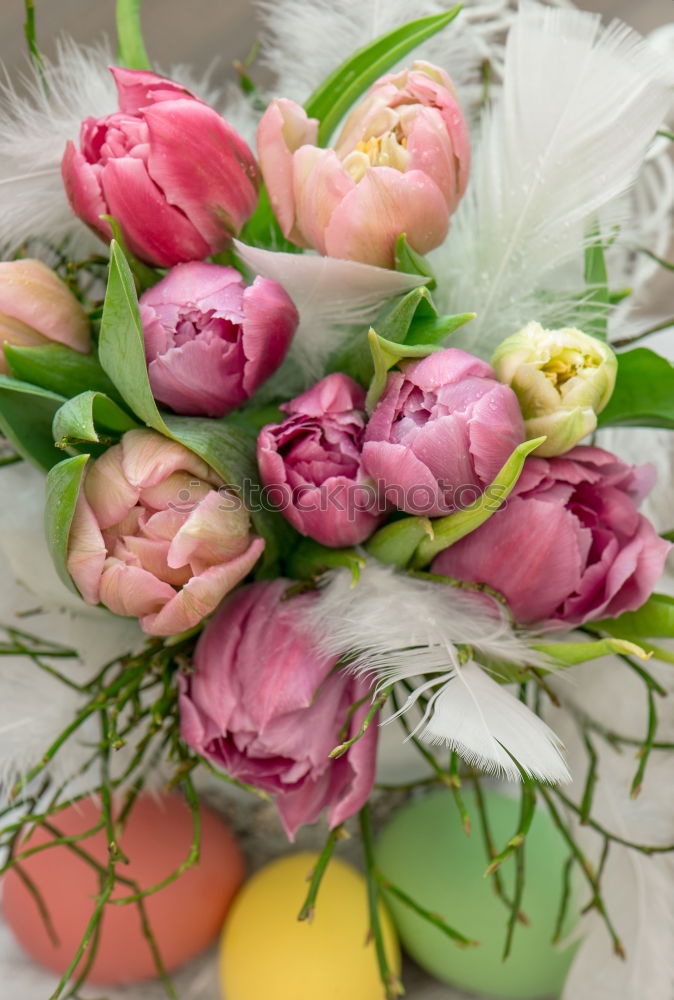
390 982
432 918
309 905
131 48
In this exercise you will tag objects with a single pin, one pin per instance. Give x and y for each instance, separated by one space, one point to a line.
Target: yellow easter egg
267 952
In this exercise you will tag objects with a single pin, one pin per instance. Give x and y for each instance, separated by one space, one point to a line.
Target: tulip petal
189 283
218 190
202 594
215 532
86 551
320 184
270 320
148 458
83 190
138 89
495 429
432 151
32 294
195 379
384 204
154 230
108 490
132 591
283 128
534 578
404 479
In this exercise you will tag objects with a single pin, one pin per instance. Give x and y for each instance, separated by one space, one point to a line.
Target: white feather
302 43
332 297
405 629
479 719
578 108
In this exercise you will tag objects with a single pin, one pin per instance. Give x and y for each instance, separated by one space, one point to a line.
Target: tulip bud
311 464
174 174
562 380
155 535
265 706
36 308
209 340
400 166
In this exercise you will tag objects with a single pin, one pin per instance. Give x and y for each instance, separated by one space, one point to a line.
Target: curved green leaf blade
78 418
571 653
59 369
335 96
448 530
653 620
644 392
130 45
121 347
26 414
63 488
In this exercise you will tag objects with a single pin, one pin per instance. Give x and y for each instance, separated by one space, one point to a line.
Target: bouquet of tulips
328 427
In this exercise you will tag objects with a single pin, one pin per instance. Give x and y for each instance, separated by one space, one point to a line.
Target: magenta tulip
155 536
37 308
441 431
400 166
568 545
311 464
264 706
175 175
209 340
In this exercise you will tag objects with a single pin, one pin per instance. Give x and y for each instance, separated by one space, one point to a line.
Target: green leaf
386 354
121 346
263 230
130 46
26 414
63 488
145 276
396 543
450 529
310 559
354 357
571 653
435 330
593 318
409 261
644 391
653 620
77 419
339 91
59 369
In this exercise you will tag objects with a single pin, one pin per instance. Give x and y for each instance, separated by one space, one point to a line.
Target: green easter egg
425 852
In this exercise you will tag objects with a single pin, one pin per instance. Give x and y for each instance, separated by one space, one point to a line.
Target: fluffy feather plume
302 43
331 296
417 643
551 157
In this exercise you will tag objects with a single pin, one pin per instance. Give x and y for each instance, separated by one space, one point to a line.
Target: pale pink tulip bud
400 165
176 176
37 308
155 535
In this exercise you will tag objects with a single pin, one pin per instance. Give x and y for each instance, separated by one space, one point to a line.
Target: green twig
322 862
432 918
392 985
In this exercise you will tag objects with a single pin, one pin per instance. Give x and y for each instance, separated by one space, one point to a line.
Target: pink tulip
264 706
36 308
156 537
440 433
209 340
400 166
176 176
568 545
311 464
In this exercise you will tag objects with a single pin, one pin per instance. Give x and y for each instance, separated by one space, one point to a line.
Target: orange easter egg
185 916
